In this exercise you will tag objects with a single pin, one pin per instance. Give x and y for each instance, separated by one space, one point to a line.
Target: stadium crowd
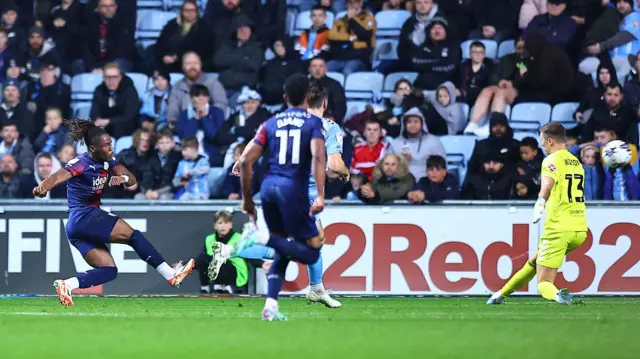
437 99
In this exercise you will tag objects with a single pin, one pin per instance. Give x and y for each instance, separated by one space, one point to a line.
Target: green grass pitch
390 328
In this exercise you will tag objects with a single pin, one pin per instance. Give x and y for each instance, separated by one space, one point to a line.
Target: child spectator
439 185
394 108
153 113
475 73
593 174
525 188
444 116
531 158
66 154
314 41
192 172
54 136
234 273
163 163
201 116
391 181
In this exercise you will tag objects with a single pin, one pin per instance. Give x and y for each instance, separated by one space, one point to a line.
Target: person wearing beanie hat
556 25
494 181
500 141
38 48
437 59
244 123
153 113
14 110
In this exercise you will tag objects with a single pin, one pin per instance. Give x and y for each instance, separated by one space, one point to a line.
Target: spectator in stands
53 136
444 115
139 160
603 136
500 141
39 50
616 115
271 20
222 16
180 100
115 103
14 110
9 180
366 155
525 188
416 143
201 116
593 173
43 166
244 124
275 72
185 33
106 40
529 10
391 181
191 176
493 182
414 31
437 186
67 21
66 154
10 24
48 90
437 59
167 158
475 73
314 41
352 40
531 158
231 186
632 86
557 27
395 108
497 19
594 96
337 108
15 144
7 54
234 273
621 184
615 32
153 113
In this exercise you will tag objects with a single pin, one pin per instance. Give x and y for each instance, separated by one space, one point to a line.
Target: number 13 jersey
566 210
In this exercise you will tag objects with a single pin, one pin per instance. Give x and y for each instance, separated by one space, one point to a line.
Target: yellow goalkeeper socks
547 289
522 277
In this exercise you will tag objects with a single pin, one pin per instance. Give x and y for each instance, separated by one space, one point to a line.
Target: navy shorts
286 209
90 228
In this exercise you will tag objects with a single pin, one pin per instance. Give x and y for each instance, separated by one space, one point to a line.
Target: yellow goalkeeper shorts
553 247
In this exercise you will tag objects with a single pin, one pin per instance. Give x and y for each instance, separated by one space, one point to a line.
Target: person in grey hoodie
444 113
415 143
180 100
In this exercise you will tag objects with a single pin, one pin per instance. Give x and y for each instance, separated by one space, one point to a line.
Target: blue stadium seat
465 109
392 78
490 45
303 22
123 143
363 85
140 82
291 20
175 77
563 113
150 4
529 116
338 76
151 25
82 110
390 22
386 49
506 47
459 150
354 107
83 85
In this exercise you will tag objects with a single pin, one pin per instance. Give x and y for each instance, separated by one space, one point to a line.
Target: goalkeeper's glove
538 209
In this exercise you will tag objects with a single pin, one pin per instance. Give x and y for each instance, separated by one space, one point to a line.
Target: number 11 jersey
566 210
288 137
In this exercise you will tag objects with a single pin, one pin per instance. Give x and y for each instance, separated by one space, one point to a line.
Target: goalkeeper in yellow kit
565 227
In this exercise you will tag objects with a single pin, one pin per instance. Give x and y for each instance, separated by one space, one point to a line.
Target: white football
616 154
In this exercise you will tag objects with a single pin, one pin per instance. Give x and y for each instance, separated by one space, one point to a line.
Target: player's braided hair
82 130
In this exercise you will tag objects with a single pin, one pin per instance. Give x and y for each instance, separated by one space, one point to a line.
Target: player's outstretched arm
336 164
121 175
53 180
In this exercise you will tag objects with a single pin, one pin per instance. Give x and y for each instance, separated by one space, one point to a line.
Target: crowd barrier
458 248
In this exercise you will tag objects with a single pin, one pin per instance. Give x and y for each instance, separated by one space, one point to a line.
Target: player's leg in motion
317 293
551 252
519 279
222 252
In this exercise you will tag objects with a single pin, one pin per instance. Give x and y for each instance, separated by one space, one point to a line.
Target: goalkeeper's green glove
538 209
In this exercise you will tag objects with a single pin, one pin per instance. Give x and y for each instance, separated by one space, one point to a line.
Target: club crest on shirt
551 167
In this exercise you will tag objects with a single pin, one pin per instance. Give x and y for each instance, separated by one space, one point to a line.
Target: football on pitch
616 154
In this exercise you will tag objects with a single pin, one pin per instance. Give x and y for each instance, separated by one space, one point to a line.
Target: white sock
72 284
497 295
271 303
166 271
205 288
318 288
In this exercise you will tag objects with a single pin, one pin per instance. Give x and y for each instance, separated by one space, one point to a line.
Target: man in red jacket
366 155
